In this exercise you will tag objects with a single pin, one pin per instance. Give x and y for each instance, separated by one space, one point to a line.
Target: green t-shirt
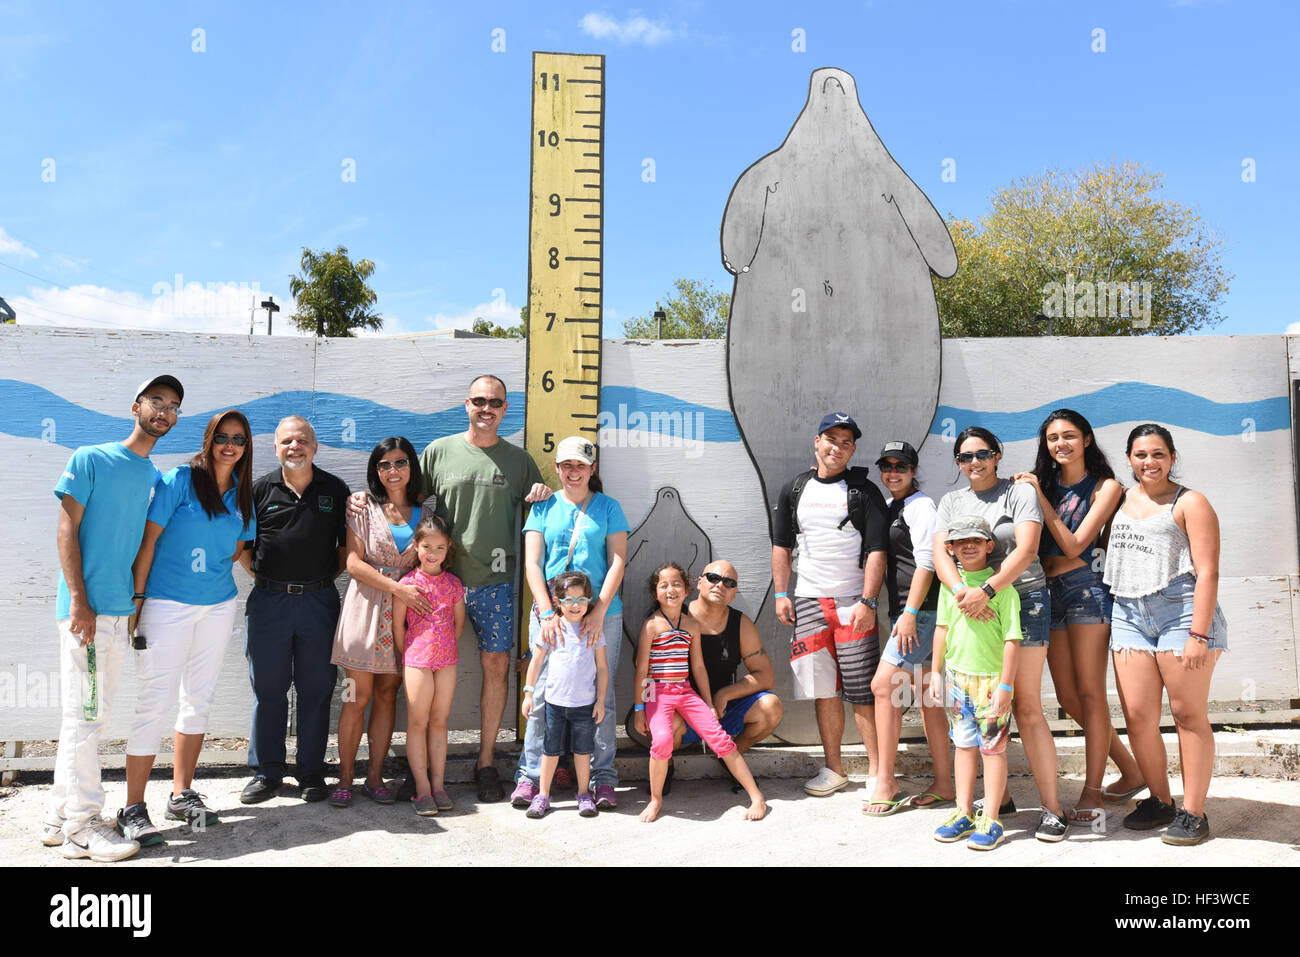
975 647
479 491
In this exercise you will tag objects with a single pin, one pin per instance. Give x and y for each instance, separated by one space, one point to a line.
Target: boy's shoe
1007 809
954 828
826 783
188 806
425 806
539 806
135 825
52 831
1050 828
99 841
1187 829
606 800
1150 813
523 794
586 805
988 834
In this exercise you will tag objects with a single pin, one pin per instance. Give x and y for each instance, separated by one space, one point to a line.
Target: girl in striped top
668 653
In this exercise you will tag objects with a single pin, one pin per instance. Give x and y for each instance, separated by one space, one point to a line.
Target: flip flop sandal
938 801
897 804
489 784
1116 796
1086 817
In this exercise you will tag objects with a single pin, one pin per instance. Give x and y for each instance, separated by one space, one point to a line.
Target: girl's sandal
1088 816
936 800
897 804
1115 797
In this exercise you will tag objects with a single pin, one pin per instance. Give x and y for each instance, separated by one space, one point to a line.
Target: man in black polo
301 547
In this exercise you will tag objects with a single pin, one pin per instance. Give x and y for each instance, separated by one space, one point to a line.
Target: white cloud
1293 329
66 263
635 29
497 311
14 247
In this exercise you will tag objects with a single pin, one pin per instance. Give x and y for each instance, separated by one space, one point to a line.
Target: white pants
78 793
185 647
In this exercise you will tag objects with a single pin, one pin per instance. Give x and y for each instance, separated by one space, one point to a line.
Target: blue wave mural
353 422
1130 402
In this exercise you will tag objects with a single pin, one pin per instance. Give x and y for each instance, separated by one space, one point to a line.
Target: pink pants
679 697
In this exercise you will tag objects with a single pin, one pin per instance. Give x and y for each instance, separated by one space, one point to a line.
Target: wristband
909 610
1203 639
958 589
528 689
137 597
546 615
781 594
1006 687
639 707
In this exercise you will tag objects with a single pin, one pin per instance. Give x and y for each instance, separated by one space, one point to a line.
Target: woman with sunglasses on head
578 529
913 593
381 549
1167 630
1078 494
200 517
1013 514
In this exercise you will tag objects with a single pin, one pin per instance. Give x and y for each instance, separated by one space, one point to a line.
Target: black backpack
857 481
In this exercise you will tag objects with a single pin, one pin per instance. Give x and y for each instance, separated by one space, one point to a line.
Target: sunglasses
478 401
893 467
713 578
580 600
239 440
395 464
983 455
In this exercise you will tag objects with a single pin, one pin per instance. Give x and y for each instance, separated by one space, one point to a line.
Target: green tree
696 310
486 328
1097 251
331 295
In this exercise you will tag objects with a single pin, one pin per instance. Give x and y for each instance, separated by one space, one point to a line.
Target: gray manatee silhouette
829 224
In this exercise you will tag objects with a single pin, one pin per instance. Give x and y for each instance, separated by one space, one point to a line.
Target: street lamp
271 309
660 316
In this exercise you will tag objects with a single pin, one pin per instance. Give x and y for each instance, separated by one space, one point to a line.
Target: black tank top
721 653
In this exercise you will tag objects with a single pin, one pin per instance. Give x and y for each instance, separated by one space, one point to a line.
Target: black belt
293 588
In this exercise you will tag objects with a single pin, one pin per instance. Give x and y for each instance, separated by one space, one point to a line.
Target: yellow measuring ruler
565 243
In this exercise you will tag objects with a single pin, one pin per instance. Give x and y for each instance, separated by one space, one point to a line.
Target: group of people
431 544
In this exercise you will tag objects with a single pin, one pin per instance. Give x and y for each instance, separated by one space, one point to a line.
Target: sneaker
954 828
258 790
1007 809
563 780
523 794
52 831
312 788
442 800
99 841
988 834
188 806
586 805
1050 828
380 795
606 800
135 825
406 790
341 797
539 806
1187 829
826 782
1150 813
425 806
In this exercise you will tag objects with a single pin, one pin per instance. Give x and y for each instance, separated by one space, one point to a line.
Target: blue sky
221 165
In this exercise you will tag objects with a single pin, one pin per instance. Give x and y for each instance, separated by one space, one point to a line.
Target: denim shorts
920 652
569 729
732 719
1079 597
1035 618
1160 621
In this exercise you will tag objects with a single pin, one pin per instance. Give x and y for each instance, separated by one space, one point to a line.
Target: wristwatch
987 589
869 602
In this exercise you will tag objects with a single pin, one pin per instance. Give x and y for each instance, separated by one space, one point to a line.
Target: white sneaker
826 782
99 841
52 831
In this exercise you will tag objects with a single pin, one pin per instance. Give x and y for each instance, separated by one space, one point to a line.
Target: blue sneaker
957 826
988 834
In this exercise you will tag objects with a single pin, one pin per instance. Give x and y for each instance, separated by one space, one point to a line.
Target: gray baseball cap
968 526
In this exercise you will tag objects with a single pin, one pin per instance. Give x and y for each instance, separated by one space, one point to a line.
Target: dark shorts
1079 597
569 729
1035 618
733 718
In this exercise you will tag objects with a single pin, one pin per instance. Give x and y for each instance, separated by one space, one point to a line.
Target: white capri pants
186 645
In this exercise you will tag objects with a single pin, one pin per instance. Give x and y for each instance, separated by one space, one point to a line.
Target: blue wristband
781 594
639 707
909 610
1007 688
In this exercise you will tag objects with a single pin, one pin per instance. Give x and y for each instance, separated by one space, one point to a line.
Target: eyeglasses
395 464
894 467
161 404
580 600
713 578
239 439
983 455
478 401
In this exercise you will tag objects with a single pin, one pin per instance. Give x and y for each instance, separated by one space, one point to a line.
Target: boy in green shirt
978 659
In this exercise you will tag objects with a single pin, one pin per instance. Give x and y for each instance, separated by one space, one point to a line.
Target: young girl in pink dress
427 646
667 653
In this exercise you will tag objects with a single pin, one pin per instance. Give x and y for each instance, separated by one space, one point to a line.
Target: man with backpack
837 518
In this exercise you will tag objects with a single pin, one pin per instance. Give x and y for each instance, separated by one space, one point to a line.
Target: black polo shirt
298 538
